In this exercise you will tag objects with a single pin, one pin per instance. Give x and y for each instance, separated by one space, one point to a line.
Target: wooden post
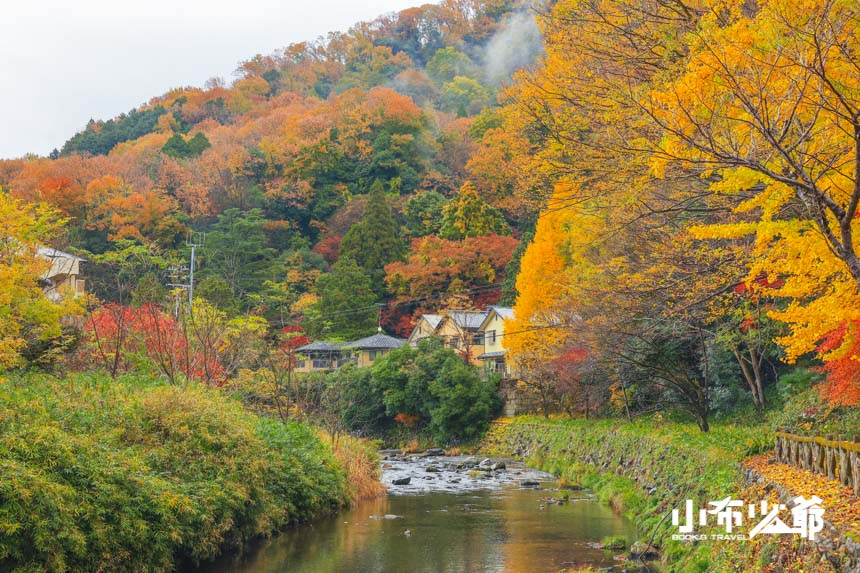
844 464
855 471
816 457
830 462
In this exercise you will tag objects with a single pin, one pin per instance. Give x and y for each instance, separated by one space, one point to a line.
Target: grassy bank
643 469
131 475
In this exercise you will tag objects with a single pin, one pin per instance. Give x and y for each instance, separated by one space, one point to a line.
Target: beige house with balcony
459 330
492 329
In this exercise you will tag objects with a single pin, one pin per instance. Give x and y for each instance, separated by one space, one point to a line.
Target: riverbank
133 474
643 470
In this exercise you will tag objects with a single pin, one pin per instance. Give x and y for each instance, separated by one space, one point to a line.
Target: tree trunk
752 377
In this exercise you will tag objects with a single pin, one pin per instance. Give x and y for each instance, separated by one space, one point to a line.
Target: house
320 355
366 350
323 355
63 277
425 327
459 330
492 329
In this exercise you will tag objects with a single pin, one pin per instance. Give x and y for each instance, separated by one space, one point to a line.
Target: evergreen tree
468 215
509 286
176 146
347 304
236 251
198 144
375 240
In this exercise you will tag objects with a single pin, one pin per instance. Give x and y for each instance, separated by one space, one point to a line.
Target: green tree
434 385
509 286
448 63
424 213
176 146
198 144
468 215
346 308
236 251
375 240
465 96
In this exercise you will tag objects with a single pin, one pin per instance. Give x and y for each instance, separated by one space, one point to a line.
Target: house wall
449 331
368 357
494 343
421 330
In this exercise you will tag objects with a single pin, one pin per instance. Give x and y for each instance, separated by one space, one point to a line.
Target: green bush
133 476
437 388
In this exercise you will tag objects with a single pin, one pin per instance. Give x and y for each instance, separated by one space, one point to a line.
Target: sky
66 61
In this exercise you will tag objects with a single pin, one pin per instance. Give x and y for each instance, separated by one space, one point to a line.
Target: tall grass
361 461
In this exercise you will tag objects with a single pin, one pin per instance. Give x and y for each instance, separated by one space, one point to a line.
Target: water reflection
475 532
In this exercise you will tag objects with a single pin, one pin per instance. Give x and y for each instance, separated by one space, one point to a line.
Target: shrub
133 476
433 388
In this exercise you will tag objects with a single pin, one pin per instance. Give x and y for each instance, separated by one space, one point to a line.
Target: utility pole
191 243
176 274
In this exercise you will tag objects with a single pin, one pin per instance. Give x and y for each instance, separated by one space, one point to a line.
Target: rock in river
401 481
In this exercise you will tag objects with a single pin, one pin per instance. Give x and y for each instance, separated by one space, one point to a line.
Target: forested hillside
376 144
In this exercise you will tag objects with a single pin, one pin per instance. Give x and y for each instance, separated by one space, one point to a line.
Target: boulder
641 550
401 481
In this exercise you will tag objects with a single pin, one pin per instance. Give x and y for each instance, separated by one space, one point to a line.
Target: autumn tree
842 367
468 215
436 266
28 316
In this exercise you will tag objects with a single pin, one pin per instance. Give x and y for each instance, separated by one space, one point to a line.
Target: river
454 518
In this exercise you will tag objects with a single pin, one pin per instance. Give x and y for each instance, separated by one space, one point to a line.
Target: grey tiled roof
320 346
467 318
432 319
376 341
504 311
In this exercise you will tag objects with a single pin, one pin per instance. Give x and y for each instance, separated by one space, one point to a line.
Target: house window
374 354
455 342
491 336
478 339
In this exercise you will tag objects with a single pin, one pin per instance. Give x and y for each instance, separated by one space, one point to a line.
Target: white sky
66 61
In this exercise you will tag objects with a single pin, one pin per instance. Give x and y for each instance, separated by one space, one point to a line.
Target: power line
416 300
